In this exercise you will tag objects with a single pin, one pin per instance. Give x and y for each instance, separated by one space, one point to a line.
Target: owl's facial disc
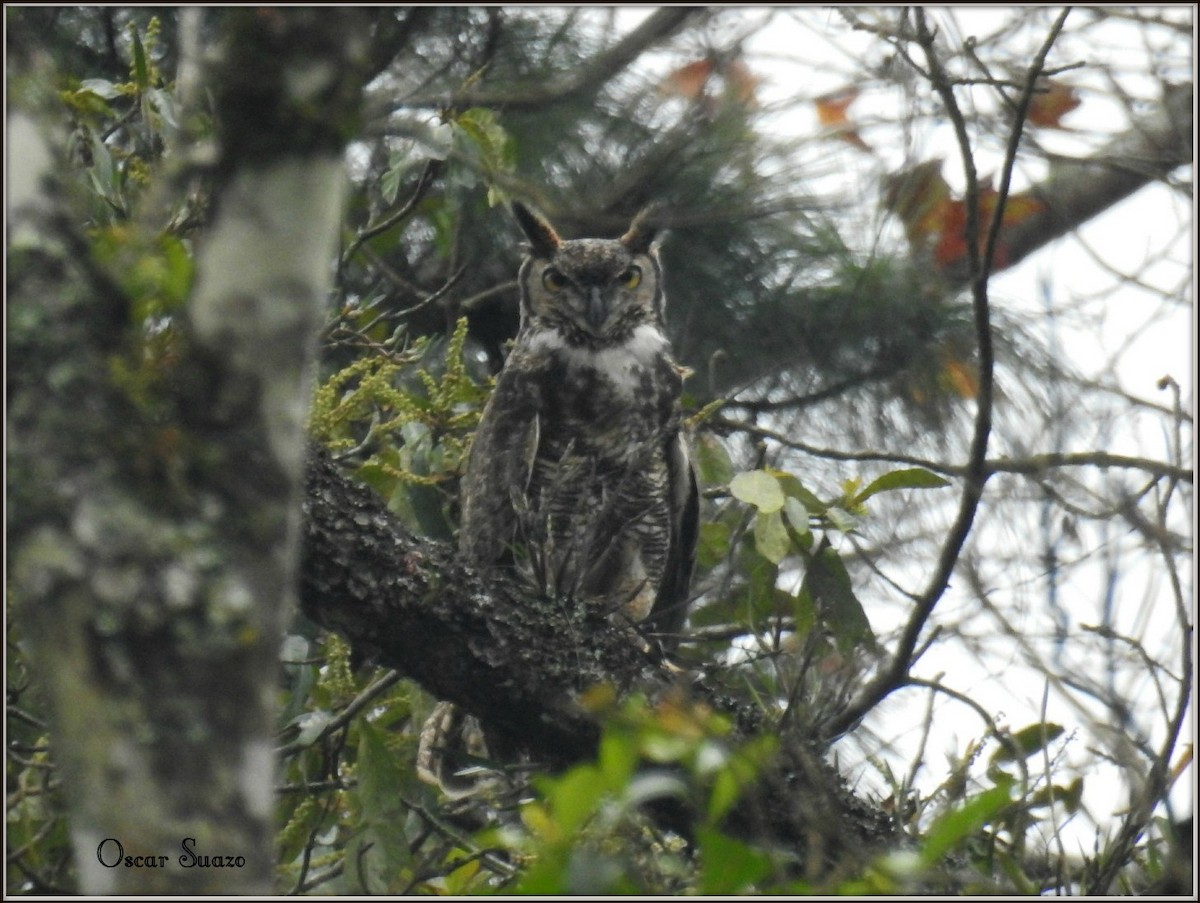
594 288
588 301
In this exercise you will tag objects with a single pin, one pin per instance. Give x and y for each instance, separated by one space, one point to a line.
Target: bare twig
431 171
592 74
346 715
1032 465
975 473
1159 779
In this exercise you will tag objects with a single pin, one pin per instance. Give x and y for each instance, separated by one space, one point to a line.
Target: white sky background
1108 327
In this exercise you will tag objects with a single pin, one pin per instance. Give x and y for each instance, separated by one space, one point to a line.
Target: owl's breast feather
623 367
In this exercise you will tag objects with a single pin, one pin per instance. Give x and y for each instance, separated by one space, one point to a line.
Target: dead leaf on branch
1052 101
935 222
688 81
834 118
692 81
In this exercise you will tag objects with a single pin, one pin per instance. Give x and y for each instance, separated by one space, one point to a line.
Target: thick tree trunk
154 540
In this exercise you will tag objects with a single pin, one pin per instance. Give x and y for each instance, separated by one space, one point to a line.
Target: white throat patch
623 364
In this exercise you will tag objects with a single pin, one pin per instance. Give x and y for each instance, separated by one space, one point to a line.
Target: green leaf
382 779
400 162
389 185
804 612
725 791
618 757
954 827
491 143
770 536
797 515
101 87
461 880
728 866
761 575
161 276
575 797
712 460
141 72
548 874
907 478
1068 797
1028 740
841 519
382 783
713 544
829 583
164 103
793 488
102 165
758 488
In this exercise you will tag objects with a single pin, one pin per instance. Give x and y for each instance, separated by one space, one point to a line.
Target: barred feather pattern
579 475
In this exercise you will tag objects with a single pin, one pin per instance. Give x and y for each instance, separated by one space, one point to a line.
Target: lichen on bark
154 543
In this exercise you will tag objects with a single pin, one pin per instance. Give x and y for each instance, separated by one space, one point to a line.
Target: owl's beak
597 309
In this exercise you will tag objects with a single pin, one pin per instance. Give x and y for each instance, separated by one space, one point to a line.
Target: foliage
408 426
789 318
588 834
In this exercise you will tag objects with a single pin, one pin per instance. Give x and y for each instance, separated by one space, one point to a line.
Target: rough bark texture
517 663
153 530
153 547
468 638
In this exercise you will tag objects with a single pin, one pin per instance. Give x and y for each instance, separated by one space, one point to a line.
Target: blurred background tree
824 289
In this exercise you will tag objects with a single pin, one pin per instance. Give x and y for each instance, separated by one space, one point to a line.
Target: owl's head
594 291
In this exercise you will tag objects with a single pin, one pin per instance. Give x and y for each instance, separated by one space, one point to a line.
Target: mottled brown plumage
579 474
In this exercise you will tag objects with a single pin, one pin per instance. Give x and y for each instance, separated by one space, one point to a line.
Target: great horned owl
579 474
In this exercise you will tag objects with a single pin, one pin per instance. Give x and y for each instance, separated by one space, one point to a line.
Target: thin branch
1159 780
451 281
1077 190
975 473
590 76
477 300
346 715
446 830
430 172
1014 142
1033 465
833 390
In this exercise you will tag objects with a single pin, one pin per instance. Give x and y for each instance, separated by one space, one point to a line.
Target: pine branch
590 76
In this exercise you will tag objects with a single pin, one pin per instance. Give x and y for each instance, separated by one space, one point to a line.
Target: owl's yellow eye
553 280
631 278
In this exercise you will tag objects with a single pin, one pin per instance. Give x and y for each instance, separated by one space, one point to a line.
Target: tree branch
975 474
1077 190
481 643
517 662
598 70
1029 466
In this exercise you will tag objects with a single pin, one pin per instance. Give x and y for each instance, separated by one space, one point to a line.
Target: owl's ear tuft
543 240
641 235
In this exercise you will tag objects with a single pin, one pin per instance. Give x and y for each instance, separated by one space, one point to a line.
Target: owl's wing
670 606
500 464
